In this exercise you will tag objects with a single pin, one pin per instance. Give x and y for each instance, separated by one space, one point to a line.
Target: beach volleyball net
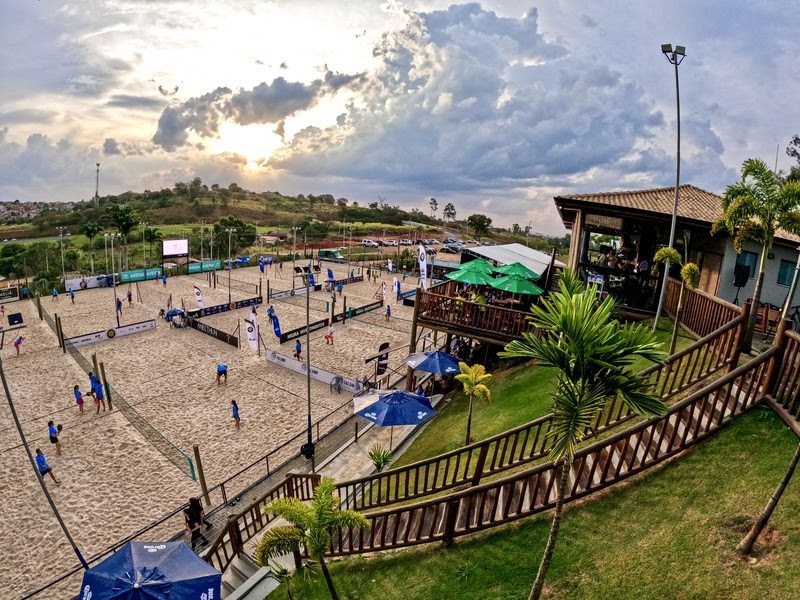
156 439
236 284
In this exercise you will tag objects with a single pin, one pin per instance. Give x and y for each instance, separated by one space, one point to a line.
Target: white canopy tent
508 254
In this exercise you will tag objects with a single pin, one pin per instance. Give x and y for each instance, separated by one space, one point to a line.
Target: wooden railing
785 387
484 321
702 312
594 468
530 442
250 521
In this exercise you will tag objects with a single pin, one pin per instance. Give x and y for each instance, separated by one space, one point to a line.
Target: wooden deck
441 310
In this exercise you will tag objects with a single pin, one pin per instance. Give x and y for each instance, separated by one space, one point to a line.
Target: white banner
198 295
390 265
351 385
383 291
252 334
99 336
84 283
395 285
423 267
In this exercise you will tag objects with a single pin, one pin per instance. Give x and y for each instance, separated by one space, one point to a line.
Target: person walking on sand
388 312
235 413
72 296
43 467
164 280
52 432
130 298
340 288
78 397
55 294
119 307
17 343
222 372
298 349
329 335
271 314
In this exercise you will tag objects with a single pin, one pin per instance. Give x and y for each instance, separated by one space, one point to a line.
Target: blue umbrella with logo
433 362
398 408
151 571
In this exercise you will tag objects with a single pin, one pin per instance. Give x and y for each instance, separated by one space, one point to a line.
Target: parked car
390 243
451 249
406 242
449 240
488 243
476 242
370 244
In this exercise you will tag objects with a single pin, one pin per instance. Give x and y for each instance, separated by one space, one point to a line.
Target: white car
370 244
406 242
390 243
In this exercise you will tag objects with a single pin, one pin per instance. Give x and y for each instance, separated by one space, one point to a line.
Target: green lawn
520 394
669 533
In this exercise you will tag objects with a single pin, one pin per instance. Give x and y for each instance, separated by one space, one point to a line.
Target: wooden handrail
530 442
594 468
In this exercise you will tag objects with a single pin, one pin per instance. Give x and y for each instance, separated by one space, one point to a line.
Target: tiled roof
693 203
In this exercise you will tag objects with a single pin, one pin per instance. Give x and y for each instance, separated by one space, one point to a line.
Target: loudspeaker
741 273
15 319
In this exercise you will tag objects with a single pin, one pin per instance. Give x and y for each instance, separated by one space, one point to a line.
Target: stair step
246 565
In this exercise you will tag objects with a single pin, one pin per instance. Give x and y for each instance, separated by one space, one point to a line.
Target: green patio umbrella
477 265
516 285
518 269
474 277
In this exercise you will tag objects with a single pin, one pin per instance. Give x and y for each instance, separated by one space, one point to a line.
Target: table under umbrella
398 408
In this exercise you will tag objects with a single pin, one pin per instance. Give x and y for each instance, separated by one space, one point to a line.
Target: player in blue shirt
55 294
222 371
271 313
235 412
43 467
72 296
99 398
298 349
340 288
78 397
53 432
164 280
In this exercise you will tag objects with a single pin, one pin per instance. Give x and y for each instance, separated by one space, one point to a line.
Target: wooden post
259 289
201 474
61 335
39 307
94 362
412 344
269 292
737 343
105 385
344 309
235 534
774 368
476 476
450 516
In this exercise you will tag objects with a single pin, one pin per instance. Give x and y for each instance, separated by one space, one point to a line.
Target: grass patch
520 394
667 534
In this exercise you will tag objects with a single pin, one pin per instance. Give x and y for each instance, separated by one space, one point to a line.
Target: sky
495 106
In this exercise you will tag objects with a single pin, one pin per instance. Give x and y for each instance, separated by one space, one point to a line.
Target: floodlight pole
105 248
294 245
39 477
97 186
675 57
113 278
61 231
144 248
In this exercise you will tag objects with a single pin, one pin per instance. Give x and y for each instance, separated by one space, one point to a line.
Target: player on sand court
43 467
235 413
222 371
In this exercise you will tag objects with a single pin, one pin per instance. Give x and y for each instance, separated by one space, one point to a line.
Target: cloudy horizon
494 106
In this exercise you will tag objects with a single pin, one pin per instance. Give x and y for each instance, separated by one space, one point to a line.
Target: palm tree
474 380
310 526
151 236
746 545
754 209
690 276
594 354
90 229
125 220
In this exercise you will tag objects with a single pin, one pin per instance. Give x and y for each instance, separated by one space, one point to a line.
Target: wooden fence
702 312
595 467
530 442
785 385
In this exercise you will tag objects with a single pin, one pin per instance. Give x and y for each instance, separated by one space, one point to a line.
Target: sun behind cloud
255 142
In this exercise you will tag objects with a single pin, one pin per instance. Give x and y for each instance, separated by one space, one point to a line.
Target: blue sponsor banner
276 325
330 275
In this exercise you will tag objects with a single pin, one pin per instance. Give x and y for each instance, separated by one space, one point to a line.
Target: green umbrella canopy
475 277
518 269
477 265
516 285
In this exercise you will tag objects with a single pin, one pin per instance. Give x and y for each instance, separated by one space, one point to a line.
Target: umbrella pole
391 434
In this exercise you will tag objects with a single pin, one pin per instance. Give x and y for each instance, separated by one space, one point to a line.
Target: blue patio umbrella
152 571
398 408
433 362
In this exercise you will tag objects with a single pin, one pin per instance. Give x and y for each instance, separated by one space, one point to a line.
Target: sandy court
99 452
168 375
